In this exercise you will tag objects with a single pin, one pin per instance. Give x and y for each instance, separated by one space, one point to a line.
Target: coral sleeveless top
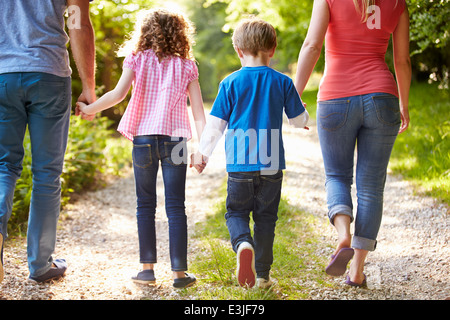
355 50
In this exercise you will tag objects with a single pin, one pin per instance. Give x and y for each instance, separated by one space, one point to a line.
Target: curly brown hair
165 32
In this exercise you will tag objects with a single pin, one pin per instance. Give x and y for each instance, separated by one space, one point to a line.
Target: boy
251 102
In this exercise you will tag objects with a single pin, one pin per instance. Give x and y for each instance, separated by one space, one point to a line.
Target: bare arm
312 46
82 45
402 65
112 97
196 100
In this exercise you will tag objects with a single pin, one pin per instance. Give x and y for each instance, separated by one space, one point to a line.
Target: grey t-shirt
32 37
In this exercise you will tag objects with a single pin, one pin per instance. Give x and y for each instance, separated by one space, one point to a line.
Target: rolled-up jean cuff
364 243
340 209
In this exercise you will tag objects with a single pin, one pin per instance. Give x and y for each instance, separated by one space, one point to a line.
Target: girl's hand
198 161
80 111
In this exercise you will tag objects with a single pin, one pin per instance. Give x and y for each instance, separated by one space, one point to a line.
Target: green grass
298 262
422 153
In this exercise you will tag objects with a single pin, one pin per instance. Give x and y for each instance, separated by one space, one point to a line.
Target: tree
430 39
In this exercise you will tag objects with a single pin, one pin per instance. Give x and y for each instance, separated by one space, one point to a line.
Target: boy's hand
198 161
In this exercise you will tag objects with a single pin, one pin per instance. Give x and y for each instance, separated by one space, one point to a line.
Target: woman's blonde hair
364 5
253 35
167 33
363 8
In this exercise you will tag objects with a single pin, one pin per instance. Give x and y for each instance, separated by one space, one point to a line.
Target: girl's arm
311 48
195 97
196 100
402 65
112 97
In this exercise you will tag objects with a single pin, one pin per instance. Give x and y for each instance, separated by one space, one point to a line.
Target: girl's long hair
167 33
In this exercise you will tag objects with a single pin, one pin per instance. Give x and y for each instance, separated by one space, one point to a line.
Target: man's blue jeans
258 193
371 122
148 152
42 102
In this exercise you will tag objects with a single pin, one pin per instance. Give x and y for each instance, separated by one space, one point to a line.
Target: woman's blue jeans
148 152
371 122
42 102
260 194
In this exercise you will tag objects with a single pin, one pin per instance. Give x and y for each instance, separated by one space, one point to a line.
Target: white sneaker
263 283
245 271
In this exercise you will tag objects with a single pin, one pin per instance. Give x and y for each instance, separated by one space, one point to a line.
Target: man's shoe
54 273
1 258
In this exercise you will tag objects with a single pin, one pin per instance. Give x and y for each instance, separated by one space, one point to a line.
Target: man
35 91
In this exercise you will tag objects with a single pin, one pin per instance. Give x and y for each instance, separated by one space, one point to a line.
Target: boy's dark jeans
260 194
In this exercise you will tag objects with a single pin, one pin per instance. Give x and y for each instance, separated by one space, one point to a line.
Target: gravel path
98 238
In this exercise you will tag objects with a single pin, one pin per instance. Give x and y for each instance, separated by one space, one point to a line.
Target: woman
359 103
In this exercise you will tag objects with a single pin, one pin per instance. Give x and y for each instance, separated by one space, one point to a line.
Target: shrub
92 153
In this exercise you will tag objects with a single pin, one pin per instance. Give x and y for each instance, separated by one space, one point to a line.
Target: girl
164 73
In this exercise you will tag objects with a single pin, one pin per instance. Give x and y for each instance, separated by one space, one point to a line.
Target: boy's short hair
254 35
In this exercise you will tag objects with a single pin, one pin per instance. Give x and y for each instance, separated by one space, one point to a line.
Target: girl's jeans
148 152
371 122
260 194
42 102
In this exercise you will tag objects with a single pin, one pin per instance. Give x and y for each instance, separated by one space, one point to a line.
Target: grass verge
422 153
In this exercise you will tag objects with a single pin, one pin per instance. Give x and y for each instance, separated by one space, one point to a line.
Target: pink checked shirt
158 102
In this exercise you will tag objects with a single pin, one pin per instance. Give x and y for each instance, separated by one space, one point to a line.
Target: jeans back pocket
142 155
388 109
332 114
176 152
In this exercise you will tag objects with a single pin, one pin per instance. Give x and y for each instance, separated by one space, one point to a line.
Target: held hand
198 161
86 97
80 111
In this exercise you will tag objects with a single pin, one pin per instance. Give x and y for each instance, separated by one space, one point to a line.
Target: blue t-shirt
252 101
33 38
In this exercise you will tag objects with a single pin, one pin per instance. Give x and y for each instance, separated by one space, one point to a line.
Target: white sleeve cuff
300 121
211 135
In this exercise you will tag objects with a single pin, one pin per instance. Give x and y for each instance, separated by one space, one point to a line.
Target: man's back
33 37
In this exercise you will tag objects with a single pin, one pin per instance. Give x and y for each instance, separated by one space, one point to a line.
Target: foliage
289 17
429 31
113 21
422 153
213 50
430 38
92 153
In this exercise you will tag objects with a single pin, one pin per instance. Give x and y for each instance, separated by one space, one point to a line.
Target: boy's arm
112 97
300 121
211 135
